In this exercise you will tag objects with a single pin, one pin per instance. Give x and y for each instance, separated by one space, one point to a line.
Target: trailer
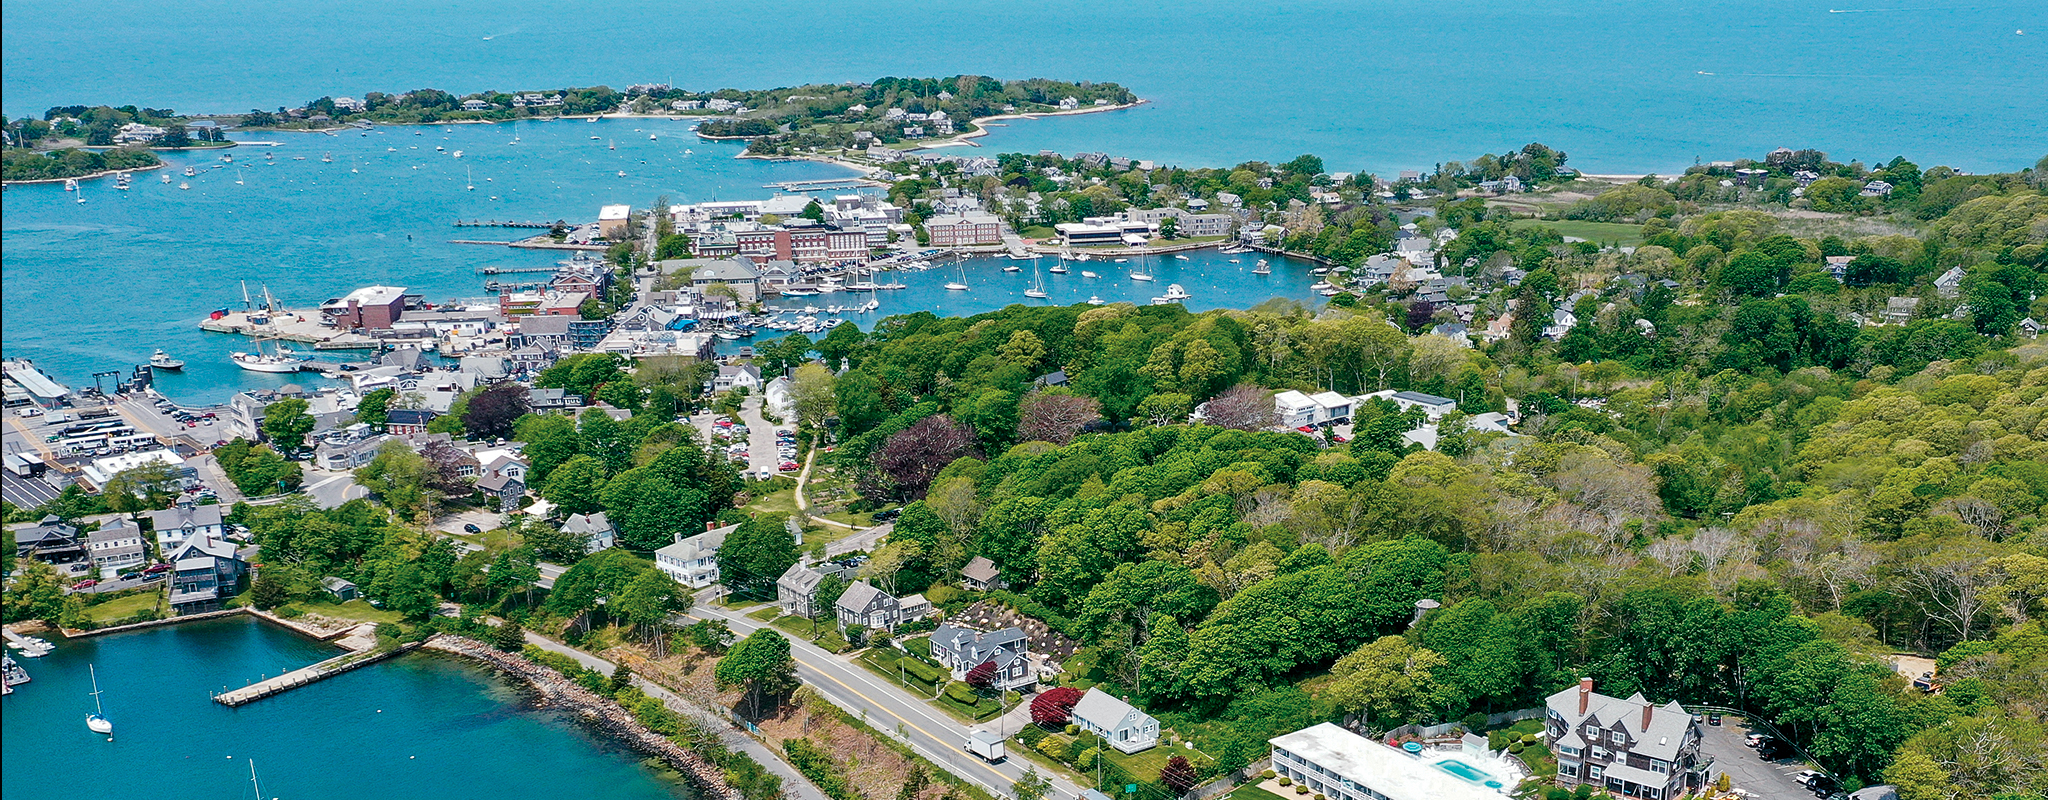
988 746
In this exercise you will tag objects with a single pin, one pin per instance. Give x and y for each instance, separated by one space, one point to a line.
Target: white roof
1330 399
375 295
1390 772
1293 399
1103 710
614 212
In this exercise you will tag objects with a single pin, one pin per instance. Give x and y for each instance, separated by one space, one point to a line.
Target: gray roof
1670 724
498 482
1103 710
335 584
974 647
546 325
703 545
725 270
179 517
1425 399
588 523
861 597
980 569
800 579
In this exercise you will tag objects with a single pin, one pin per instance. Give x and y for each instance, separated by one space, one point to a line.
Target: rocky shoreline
607 717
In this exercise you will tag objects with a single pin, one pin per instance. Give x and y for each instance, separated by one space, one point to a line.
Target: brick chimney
710 525
1646 718
1585 694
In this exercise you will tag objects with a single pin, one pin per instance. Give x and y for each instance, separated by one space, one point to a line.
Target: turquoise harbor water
1368 84
417 726
98 285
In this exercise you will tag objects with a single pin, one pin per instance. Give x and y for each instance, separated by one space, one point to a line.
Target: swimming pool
1463 770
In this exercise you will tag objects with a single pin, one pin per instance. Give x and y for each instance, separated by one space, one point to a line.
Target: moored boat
163 360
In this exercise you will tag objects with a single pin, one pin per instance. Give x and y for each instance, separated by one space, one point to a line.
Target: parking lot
1748 771
755 446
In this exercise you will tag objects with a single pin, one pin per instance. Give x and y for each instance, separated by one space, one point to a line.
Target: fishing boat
1262 269
1088 274
1175 293
97 721
11 674
163 360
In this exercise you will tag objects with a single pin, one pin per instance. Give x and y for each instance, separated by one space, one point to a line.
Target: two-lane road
929 731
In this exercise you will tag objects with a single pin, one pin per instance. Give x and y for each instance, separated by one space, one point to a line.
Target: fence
1229 782
1492 721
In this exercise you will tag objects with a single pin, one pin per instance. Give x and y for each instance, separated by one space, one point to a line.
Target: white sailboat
97 721
470 178
1037 290
281 359
1138 276
959 285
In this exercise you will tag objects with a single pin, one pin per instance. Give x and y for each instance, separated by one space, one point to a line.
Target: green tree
287 423
376 403
648 601
1390 681
403 479
576 486
811 392
35 592
756 554
762 665
1169 227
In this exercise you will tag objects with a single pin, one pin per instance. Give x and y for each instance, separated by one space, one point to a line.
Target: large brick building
959 230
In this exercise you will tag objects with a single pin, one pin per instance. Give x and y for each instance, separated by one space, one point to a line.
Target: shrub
1073 730
1053 707
1032 735
291 612
1319 796
1268 774
1086 759
961 693
922 671
1301 790
1054 749
1516 748
1475 722
1286 781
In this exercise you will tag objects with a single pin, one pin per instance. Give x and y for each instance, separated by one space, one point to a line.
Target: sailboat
471 178
238 178
1138 276
327 158
1037 290
1060 268
959 285
253 783
97 721
614 145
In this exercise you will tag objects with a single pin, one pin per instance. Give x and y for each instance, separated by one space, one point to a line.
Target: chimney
710 525
1646 718
1585 694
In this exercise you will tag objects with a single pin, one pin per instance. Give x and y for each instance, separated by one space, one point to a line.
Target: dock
337 665
820 185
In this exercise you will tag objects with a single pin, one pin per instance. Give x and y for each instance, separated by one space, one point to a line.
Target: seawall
608 717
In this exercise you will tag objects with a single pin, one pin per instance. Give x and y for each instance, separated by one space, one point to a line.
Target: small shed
341 588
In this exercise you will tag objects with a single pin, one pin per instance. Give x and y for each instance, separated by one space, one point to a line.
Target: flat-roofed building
611 221
371 307
1342 765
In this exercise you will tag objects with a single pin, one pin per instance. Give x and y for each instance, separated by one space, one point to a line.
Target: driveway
1747 771
483 520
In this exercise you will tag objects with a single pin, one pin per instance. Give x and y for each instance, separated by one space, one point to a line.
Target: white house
693 561
963 649
597 530
176 526
116 545
776 395
1299 410
1125 727
730 377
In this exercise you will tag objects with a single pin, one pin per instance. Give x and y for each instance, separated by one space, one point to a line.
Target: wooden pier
315 673
511 270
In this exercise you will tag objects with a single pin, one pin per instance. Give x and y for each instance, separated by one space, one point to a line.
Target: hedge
924 672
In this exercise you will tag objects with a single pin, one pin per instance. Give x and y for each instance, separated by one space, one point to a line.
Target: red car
156 568
84 584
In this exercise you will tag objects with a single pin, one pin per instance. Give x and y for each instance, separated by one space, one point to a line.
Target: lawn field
1621 233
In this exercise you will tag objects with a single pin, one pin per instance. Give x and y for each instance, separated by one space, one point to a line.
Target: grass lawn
1039 232
1621 233
1250 792
782 502
495 539
123 608
825 635
765 614
1148 763
877 662
353 609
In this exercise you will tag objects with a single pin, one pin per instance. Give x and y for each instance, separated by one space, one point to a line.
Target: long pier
820 184
313 674
510 270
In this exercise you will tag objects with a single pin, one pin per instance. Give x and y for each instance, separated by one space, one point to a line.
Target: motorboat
163 360
1184 258
122 181
1262 269
456 154
1094 301
167 178
282 360
1175 293
622 173
189 172
1012 268
184 185
328 158
1088 274
1319 286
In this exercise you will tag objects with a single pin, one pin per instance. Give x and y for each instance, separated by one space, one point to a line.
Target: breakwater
551 688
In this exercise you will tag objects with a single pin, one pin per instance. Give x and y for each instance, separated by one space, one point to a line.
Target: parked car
1714 718
471 528
1823 786
1754 739
84 584
1805 777
157 569
31 411
1774 749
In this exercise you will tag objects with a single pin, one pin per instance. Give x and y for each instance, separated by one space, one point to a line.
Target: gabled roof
1670 724
860 597
588 523
980 569
800 579
974 647
179 517
703 545
1104 710
498 482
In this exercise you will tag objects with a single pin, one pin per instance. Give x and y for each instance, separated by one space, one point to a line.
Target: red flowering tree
1053 707
1178 775
982 676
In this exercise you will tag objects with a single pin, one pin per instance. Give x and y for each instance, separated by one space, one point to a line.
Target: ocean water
1621 85
415 726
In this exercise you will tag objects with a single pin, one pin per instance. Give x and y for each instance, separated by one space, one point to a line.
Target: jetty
364 652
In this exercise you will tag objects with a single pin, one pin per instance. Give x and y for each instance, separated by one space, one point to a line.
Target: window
1593 771
1570 751
1567 768
1618 737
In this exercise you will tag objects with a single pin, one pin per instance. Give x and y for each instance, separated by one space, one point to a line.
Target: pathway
793 783
803 505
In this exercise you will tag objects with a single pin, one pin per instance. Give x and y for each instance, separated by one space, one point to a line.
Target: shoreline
94 176
552 689
867 171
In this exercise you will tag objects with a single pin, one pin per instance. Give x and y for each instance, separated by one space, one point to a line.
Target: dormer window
1618 738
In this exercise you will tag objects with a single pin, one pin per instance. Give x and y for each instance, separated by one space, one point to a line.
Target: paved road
1748 771
330 489
793 782
889 708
